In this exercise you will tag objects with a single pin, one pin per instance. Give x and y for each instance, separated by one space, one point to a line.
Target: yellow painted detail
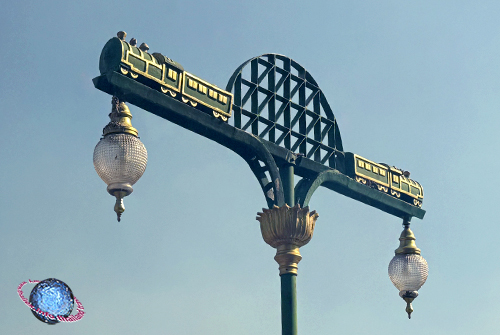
382 172
395 178
172 74
222 99
212 94
375 169
202 89
193 84
361 164
368 166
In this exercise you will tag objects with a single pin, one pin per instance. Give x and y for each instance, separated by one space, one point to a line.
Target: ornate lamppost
279 121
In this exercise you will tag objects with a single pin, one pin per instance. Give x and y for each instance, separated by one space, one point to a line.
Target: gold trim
166 90
368 166
187 101
392 173
382 188
206 83
361 180
163 68
134 75
123 70
396 193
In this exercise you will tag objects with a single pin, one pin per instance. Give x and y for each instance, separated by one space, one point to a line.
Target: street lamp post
279 121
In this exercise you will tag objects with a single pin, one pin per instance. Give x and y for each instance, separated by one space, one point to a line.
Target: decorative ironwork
276 99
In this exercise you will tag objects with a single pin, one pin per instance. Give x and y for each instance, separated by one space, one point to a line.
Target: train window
415 190
395 178
382 172
222 99
405 187
368 166
193 84
212 94
375 169
172 74
361 164
202 89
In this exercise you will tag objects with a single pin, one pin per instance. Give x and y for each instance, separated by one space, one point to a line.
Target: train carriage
385 178
198 91
163 74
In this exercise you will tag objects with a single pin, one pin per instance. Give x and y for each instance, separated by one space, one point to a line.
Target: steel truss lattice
276 99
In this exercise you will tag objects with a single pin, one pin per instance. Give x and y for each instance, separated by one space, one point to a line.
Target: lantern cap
121 119
407 241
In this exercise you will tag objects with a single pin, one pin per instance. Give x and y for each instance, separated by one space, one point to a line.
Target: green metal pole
289 304
288 280
286 174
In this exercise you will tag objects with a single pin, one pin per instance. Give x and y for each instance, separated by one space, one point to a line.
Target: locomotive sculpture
163 74
385 178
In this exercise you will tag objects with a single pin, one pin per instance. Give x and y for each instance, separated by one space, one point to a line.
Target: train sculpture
385 178
165 75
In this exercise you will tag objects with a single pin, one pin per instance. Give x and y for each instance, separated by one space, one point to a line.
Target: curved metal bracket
260 162
306 187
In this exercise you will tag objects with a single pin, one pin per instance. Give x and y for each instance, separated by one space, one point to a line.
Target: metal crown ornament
287 229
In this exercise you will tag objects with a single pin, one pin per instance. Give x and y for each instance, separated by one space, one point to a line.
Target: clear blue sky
412 83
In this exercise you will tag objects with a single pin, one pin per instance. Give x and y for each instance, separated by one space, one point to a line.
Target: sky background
412 83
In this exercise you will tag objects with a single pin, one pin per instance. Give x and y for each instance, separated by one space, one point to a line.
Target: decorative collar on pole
287 229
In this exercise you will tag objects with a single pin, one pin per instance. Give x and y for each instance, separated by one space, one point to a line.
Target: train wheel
187 101
123 70
164 90
224 118
216 114
361 180
134 75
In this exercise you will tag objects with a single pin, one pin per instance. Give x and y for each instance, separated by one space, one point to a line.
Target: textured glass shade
120 160
408 272
54 297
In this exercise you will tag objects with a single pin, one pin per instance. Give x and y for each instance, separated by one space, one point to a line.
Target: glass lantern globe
408 270
120 158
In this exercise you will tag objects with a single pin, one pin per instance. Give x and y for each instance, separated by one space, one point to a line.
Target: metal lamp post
279 121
